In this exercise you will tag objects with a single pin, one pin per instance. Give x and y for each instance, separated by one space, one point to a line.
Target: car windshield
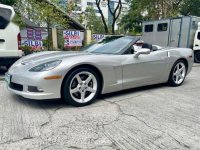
110 45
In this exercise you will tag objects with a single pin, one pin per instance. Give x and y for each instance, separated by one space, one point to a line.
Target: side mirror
142 51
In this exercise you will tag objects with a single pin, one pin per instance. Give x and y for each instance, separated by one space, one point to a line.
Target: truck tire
197 57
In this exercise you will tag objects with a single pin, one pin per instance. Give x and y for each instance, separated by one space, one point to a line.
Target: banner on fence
72 38
34 34
97 37
33 37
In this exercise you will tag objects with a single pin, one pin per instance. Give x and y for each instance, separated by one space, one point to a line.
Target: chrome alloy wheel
179 73
83 87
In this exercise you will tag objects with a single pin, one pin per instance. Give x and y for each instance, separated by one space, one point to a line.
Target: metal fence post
87 37
54 38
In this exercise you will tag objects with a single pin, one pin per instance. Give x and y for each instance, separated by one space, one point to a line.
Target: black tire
197 57
66 96
171 81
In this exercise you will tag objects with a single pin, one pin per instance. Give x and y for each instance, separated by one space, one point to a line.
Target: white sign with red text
72 38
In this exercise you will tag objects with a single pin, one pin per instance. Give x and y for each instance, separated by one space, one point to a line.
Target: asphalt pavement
148 118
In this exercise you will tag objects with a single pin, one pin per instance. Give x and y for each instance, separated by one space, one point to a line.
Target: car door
144 70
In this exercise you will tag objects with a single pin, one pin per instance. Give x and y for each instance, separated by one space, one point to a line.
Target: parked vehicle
104 67
9 37
174 32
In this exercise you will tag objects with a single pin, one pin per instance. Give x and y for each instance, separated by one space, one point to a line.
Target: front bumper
50 88
32 95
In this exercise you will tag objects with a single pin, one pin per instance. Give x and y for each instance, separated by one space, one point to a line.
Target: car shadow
2 71
133 90
40 104
59 103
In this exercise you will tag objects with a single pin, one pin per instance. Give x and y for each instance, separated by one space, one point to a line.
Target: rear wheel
197 57
81 87
178 73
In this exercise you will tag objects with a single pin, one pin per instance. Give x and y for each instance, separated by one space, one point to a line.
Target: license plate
7 78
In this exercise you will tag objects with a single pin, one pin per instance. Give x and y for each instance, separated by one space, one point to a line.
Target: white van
9 37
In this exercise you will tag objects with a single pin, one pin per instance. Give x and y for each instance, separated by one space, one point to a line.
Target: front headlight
46 66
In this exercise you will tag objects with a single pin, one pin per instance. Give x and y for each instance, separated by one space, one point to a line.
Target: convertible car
113 64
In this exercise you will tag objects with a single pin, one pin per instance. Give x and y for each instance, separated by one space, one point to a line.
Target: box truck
174 32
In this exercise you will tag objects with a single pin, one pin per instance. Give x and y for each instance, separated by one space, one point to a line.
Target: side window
148 28
162 27
5 15
198 36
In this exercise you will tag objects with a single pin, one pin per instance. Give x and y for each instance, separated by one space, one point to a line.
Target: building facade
81 6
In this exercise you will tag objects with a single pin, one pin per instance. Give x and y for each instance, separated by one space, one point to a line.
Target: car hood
44 57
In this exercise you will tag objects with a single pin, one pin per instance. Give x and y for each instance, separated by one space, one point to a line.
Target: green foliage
41 12
18 20
141 10
157 9
190 7
131 23
60 39
92 21
26 49
8 2
48 43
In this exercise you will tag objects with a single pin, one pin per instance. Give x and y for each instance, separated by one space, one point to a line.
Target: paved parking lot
154 117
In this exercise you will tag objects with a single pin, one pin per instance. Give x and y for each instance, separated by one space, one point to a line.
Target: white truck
174 32
9 37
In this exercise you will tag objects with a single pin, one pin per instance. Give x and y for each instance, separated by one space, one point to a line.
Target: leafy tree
131 23
141 10
93 22
157 9
41 12
98 2
115 14
190 7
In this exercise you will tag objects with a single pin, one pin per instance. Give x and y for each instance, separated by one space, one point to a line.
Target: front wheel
178 73
81 87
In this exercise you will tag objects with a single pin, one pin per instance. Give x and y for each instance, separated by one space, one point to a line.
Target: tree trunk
102 16
49 39
104 22
113 27
115 14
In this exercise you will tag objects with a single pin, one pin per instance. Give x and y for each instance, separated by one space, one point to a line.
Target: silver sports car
111 65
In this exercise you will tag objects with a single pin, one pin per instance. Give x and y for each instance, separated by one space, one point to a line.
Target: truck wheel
197 57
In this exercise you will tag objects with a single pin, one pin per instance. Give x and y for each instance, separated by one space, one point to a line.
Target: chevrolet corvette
110 65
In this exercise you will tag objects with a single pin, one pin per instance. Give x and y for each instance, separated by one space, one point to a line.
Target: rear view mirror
142 51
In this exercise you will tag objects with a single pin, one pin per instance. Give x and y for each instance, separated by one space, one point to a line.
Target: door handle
2 40
196 45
